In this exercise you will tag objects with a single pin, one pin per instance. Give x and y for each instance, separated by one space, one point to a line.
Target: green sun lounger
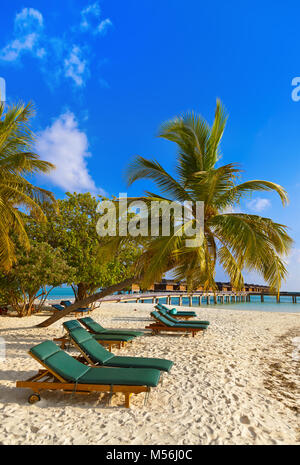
103 338
190 322
107 335
96 328
163 324
94 353
63 372
186 314
68 303
59 308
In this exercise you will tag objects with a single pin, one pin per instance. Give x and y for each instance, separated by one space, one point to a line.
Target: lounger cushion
112 337
169 323
92 325
162 319
60 362
58 307
186 314
90 346
122 376
97 328
140 362
98 354
193 322
71 324
44 350
173 311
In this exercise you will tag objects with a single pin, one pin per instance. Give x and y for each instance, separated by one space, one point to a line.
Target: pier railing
201 297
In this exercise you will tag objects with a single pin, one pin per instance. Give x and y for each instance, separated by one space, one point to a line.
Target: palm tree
17 195
238 241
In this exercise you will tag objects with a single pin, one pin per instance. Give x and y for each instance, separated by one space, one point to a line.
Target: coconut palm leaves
16 192
237 241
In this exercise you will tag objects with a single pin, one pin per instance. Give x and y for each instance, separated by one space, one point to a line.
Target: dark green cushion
97 328
190 323
186 313
92 324
58 307
123 376
140 362
173 311
81 335
60 362
186 325
44 350
112 337
66 366
98 354
71 369
71 324
162 319
96 351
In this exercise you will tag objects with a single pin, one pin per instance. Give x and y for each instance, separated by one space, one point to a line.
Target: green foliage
37 268
16 162
73 230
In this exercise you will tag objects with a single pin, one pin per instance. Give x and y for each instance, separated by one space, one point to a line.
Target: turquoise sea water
269 305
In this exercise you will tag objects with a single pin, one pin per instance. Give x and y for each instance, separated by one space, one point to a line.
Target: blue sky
104 75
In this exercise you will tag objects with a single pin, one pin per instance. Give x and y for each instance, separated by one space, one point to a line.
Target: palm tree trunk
88 300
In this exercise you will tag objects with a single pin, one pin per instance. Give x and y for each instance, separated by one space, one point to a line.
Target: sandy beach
239 384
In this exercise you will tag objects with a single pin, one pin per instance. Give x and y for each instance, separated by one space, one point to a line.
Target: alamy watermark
2 90
296 91
2 349
136 217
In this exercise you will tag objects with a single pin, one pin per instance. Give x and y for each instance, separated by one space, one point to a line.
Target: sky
103 75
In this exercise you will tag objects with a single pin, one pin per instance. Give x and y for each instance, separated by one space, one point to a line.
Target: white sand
236 385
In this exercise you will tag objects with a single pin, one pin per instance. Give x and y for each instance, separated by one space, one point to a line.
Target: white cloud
58 57
259 204
76 66
87 13
90 20
64 145
27 33
104 26
28 18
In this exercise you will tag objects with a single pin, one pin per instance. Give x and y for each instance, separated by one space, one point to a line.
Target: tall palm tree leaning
237 241
17 161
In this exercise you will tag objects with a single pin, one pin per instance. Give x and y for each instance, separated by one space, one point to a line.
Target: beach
238 384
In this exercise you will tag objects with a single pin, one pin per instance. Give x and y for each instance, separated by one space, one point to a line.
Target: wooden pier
200 297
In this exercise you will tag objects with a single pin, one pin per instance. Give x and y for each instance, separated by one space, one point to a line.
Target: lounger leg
127 399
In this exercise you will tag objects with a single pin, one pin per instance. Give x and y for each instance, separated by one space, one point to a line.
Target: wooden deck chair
181 315
163 324
179 322
78 311
95 354
68 303
62 372
106 338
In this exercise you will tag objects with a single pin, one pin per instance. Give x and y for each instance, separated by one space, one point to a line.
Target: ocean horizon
269 305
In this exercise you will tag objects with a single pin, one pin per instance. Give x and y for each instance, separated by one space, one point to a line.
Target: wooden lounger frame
55 382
